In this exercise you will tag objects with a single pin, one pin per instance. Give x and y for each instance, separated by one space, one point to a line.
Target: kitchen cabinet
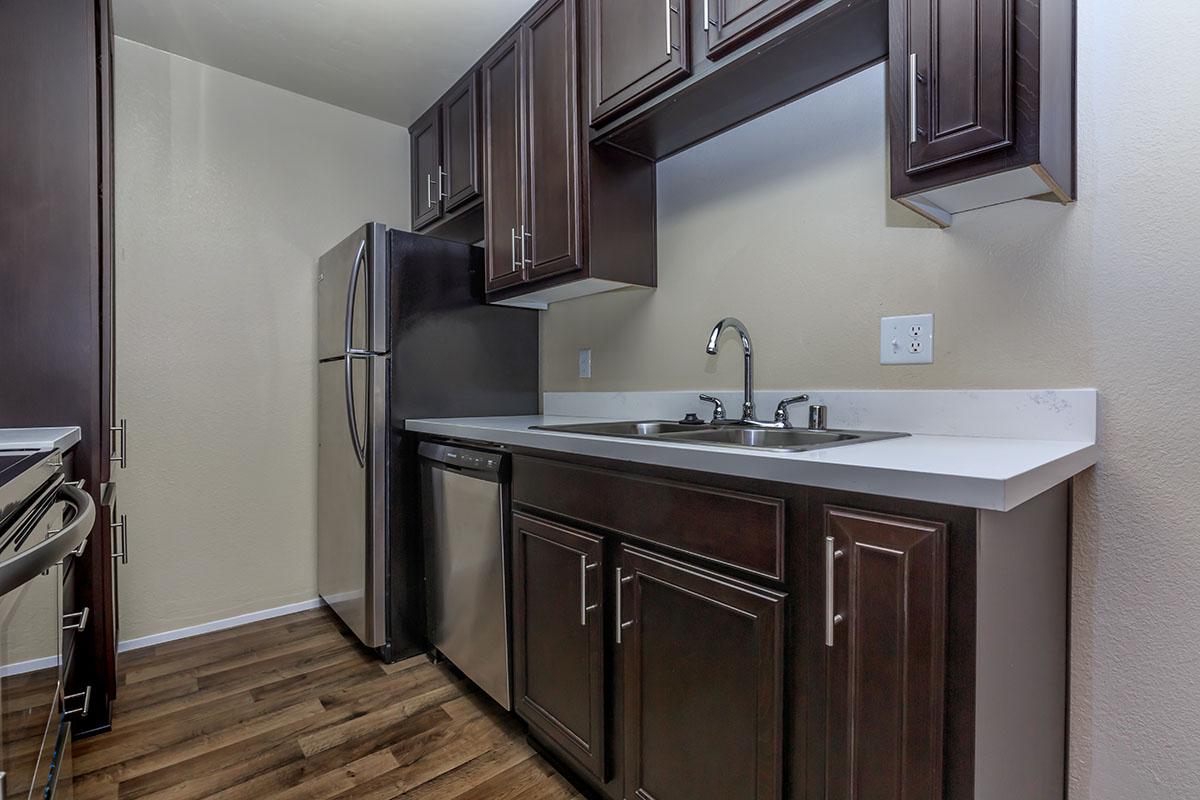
885 628
982 103
504 158
636 49
702 660
426 152
460 143
569 219
731 23
57 310
558 637
446 161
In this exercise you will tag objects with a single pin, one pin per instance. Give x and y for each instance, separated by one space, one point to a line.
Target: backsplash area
1061 415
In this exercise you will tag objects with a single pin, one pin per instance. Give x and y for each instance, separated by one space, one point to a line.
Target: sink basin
779 439
626 429
791 439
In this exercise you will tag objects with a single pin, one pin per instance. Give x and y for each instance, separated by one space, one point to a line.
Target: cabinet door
703 683
460 142
732 23
425 139
886 619
558 637
503 159
552 113
638 48
959 79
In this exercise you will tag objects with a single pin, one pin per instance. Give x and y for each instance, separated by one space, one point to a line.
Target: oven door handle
23 568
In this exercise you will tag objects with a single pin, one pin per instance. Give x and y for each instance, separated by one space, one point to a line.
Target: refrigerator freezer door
352 285
351 497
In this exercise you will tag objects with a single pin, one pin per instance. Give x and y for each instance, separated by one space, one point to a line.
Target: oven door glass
30 658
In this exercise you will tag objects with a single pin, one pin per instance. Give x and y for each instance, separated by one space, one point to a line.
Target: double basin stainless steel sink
791 440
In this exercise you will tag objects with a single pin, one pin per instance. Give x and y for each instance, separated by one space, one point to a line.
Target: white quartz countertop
39 438
990 473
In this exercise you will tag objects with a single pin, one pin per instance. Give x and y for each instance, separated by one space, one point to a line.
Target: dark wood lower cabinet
702 657
558 637
887 659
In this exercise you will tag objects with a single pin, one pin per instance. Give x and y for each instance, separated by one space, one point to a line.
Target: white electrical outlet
585 363
906 340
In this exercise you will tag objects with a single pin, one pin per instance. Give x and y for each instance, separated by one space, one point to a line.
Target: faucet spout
747 349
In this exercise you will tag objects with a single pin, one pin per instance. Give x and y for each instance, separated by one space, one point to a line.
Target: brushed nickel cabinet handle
621 581
85 695
912 98
122 431
832 619
81 616
706 22
584 608
123 525
443 179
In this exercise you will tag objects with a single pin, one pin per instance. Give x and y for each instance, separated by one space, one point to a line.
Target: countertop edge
988 494
63 438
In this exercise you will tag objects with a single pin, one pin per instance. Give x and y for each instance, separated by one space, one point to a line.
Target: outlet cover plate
585 363
906 340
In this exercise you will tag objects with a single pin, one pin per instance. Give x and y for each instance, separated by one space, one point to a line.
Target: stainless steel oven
40 535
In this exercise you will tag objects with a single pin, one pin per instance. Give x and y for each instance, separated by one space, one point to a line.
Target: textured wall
229 191
785 223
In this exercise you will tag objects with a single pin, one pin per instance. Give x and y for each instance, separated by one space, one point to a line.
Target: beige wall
228 192
784 223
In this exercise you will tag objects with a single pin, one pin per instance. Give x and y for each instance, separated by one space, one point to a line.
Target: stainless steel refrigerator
403 333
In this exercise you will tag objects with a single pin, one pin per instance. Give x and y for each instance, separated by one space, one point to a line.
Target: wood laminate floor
293 708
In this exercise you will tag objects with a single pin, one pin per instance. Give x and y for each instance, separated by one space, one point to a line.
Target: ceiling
389 59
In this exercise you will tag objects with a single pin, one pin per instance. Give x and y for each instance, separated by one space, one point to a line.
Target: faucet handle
781 411
718 407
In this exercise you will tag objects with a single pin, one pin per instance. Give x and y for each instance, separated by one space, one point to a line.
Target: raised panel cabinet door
552 114
959 79
731 23
885 631
637 49
460 142
425 139
703 670
558 636
503 165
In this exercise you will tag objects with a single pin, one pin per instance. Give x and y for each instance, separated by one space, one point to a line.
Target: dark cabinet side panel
703 671
558 637
504 165
551 50
637 48
460 134
887 662
425 143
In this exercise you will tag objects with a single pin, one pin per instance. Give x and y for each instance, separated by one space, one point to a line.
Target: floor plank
293 708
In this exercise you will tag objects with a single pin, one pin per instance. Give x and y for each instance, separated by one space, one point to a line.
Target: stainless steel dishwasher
466 508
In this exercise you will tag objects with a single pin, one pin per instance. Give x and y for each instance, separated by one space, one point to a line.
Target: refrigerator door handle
350 295
360 452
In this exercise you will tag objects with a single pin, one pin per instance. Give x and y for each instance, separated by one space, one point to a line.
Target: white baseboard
217 625
21 667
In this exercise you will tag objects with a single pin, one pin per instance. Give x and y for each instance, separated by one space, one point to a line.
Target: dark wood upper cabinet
584 215
732 23
558 637
460 143
961 79
425 137
637 48
554 219
703 667
981 103
886 628
503 164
